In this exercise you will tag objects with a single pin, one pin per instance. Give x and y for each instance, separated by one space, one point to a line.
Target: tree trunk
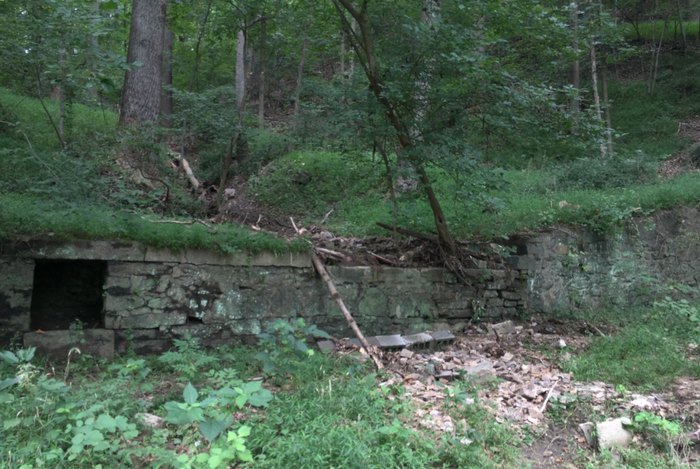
343 53
240 72
194 81
166 98
682 26
362 43
606 106
141 93
575 71
263 73
656 54
300 76
596 95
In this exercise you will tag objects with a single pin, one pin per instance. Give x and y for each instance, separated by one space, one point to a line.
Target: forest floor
520 377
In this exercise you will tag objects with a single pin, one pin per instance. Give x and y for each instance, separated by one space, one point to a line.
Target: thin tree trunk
682 26
351 59
300 76
94 49
606 106
240 72
233 145
46 111
141 94
263 74
363 45
655 62
575 71
194 80
596 95
343 53
166 98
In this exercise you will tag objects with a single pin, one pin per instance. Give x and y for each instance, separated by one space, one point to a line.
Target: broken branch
321 269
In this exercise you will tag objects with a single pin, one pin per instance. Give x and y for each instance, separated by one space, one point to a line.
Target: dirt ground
518 379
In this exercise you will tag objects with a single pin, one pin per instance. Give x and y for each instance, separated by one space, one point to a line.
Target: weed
188 359
662 433
284 344
625 359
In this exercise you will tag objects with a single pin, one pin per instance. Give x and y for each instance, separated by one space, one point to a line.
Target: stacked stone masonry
151 296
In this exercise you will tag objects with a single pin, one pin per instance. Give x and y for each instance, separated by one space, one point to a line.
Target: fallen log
323 272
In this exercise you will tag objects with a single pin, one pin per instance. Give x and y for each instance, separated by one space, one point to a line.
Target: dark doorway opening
67 294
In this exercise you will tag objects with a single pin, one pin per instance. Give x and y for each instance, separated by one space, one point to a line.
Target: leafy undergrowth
33 216
312 183
652 347
209 409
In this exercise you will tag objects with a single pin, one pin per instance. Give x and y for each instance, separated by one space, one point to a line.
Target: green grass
78 194
649 351
637 357
32 120
331 413
22 215
651 29
529 199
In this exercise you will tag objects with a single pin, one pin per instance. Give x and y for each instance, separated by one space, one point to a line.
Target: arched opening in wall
67 293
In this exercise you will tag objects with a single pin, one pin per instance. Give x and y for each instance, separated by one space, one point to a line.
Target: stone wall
153 296
570 269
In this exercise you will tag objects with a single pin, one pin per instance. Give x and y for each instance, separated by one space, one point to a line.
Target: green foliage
625 359
220 454
24 215
685 316
213 414
312 183
188 358
337 417
284 344
605 173
661 432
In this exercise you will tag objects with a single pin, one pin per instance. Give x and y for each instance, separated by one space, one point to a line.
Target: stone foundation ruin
105 297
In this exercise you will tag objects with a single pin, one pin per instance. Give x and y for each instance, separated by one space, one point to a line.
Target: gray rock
150 420
502 328
612 434
98 342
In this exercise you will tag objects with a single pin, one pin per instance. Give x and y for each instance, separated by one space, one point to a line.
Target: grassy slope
310 184
44 191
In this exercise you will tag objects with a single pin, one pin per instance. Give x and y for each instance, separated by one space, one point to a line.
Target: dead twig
382 259
549 394
325 217
334 254
187 169
323 272
181 222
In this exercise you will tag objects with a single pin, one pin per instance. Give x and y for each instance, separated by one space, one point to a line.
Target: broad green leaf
215 461
11 423
189 394
260 398
6 383
244 431
6 398
106 422
9 357
251 386
241 400
212 428
181 414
